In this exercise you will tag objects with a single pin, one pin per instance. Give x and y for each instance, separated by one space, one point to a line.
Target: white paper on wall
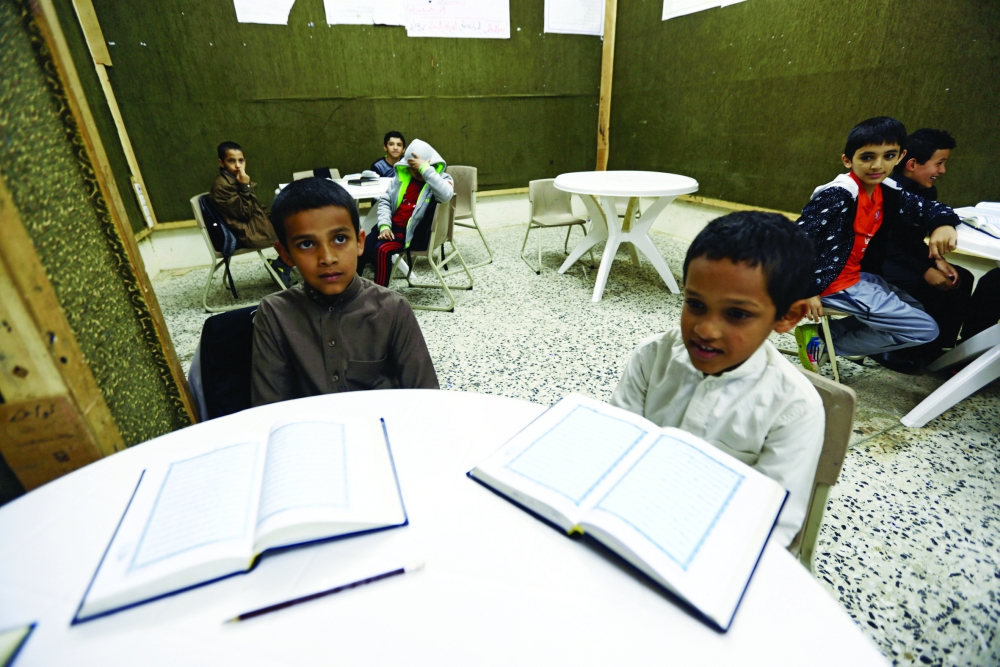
674 8
364 12
274 12
575 17
458 18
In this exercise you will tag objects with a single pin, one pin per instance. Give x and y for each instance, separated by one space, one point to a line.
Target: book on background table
692 518
212 513
984 216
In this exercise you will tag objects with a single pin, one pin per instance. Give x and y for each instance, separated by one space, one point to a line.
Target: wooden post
607 70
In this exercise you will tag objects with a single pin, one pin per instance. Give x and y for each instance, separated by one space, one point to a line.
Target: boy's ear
361 242
847 161
787 322
283 253
910 165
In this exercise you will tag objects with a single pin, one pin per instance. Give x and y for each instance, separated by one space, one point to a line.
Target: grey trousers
883 318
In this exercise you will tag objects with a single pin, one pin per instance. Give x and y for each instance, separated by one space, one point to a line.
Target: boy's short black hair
393 135
923 143
228 146
308 194
878 131
768 240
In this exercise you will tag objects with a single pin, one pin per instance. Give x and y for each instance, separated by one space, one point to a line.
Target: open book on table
691 517
984 216
212 513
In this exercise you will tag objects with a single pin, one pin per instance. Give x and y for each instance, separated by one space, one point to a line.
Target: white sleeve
631 390
789 456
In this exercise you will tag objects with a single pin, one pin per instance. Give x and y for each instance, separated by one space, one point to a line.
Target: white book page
695 516
190 521
325 477
564 456
574 17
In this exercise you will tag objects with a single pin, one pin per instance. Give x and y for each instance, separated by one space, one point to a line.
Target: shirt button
332 343
336 378
330 309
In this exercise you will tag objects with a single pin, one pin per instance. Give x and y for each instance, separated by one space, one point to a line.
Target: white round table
634 228
499 586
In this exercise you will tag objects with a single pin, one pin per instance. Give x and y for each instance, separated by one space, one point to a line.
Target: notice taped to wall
273 12
674 8
458 18
575 17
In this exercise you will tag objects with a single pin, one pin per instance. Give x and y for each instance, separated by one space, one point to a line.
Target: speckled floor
911 540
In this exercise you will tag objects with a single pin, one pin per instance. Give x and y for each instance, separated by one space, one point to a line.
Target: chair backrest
545 199
839 404
466 184
220 239
323 172
442 225
226 356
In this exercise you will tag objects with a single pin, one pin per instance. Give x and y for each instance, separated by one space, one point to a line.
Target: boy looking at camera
393 143
717 376
851 220
337 331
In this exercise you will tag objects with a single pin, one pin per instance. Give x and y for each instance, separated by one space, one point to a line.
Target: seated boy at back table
233 197
717 376
393 144
850 221
419 186
337 331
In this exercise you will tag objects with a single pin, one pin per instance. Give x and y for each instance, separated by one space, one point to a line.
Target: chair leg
536 269
274 274
208 286
455 254
825 326
475 225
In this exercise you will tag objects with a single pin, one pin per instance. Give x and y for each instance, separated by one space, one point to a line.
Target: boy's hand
241 174
942 276
386 235
815 311
416 162
943 240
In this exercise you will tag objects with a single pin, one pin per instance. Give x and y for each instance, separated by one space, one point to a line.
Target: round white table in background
499 586
983 348
634 228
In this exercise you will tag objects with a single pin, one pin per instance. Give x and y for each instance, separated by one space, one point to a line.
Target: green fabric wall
755 100
52 183
188 76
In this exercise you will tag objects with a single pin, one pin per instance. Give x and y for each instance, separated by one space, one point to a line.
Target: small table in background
984 345
634 228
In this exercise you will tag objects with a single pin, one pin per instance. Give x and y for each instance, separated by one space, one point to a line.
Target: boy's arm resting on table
414 368
234 199
789 456
933 218
270 379
441 185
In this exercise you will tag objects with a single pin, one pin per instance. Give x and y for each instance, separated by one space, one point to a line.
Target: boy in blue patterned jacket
851 221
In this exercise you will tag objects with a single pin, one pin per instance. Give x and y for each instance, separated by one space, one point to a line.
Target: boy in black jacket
850 221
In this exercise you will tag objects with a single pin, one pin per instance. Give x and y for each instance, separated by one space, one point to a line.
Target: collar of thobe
336 299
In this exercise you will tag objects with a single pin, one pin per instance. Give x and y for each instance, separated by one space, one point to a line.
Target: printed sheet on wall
575 17
674 8
272 12
458 18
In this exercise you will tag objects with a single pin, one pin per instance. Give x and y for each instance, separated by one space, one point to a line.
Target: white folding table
634 228
984 348
499 586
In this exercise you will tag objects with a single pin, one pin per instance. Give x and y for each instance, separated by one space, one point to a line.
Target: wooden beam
607 72
48 23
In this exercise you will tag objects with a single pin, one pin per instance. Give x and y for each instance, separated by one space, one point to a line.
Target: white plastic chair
549 207
322 173
218 260
828 354
442 229
466 185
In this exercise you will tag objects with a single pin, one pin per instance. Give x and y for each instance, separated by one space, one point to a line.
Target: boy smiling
850 221
745 275
337 331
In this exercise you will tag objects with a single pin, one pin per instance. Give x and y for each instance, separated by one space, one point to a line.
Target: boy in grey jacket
405 211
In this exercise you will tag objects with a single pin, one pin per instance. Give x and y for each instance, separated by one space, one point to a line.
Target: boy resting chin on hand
716 376
337 331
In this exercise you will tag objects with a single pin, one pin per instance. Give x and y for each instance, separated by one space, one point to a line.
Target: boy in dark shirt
850 221
393 144
337 331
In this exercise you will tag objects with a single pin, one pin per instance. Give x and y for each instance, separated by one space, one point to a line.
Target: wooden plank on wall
48 22
92 31
607 72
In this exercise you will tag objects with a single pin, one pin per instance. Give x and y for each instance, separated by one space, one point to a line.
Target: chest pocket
370 375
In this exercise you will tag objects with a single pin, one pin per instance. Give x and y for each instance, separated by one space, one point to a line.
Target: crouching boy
745 275
337 331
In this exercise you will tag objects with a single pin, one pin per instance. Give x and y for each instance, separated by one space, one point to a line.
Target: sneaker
811 346
283 270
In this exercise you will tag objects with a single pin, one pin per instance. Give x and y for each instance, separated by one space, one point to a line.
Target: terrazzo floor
909 545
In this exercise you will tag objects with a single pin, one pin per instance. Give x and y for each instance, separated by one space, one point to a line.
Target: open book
213 513
691 517
367 177
984 216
